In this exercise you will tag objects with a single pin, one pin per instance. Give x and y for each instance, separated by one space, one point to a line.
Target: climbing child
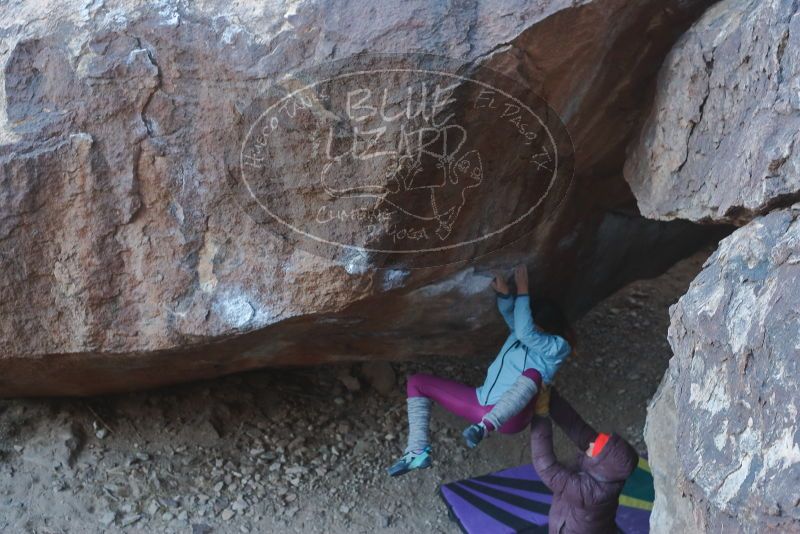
530 357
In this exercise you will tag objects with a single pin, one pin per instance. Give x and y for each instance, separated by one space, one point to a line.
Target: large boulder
129 260
720 142
719 146
723 431
672 511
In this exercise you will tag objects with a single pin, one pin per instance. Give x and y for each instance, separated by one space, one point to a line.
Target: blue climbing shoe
410 461
474 434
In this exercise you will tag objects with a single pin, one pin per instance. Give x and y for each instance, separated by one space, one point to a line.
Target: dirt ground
302 450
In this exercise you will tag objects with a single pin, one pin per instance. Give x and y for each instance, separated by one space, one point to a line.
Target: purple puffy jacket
584 500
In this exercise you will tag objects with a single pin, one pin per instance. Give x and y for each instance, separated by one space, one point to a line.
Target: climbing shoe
410 461
474 434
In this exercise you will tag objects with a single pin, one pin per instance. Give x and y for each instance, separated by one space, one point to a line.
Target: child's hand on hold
499 283
521 279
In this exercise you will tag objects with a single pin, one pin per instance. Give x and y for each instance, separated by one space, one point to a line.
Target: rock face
127 262
719 146
720 141
672 512
722 431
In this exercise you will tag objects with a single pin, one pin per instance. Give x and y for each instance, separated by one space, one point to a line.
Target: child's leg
515 408
453 396
518 422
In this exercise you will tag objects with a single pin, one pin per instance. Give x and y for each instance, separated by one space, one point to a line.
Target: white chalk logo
402 159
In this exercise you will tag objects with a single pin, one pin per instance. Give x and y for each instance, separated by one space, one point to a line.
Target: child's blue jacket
527 347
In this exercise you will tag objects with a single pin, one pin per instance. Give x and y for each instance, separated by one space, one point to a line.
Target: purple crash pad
515 500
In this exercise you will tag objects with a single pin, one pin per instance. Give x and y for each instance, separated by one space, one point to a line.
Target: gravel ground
302 450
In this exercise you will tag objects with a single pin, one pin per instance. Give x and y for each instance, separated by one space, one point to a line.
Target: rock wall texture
722 431
720 140
126 260
719 146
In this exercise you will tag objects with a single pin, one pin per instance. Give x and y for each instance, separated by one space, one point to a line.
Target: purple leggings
462 400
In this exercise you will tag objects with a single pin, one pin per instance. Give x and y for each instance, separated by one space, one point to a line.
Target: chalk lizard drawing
414 176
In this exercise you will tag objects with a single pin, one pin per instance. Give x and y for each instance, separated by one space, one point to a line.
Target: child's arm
570 422
505 303
505 300
554 475
514 400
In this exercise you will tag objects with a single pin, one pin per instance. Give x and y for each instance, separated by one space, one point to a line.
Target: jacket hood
615 463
